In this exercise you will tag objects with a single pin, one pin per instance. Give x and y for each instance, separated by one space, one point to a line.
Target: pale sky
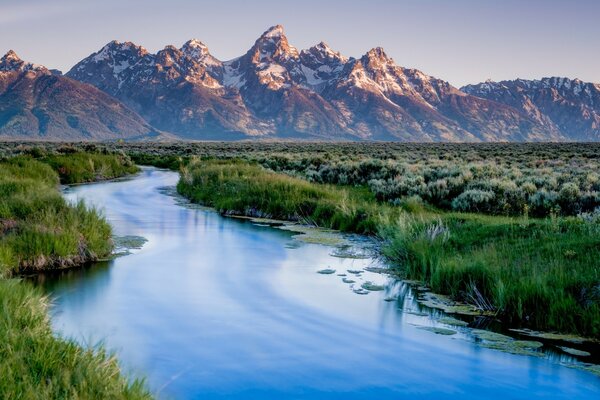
461 41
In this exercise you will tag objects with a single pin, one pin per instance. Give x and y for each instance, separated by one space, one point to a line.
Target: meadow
510 228
40 231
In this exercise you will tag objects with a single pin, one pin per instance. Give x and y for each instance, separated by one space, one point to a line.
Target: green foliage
34 364
541 274
249 189
89 167
40 230
37 227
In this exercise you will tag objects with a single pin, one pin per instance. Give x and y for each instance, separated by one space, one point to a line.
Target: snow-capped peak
194 48
273 44
12 62
11 55
379 54
274 32
323 52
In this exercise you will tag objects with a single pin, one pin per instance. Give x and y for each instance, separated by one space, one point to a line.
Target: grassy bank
536 273
39 231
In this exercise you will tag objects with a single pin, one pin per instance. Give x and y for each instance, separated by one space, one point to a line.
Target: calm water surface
213 307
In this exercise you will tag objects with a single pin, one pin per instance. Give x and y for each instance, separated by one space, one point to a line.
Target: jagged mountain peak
11 55
323 52
194 48
274 89
115 49
273 44
275 31
376 57
12 62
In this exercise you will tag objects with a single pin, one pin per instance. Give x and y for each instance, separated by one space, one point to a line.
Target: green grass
39 230
82 167
248 189
536 273
34 364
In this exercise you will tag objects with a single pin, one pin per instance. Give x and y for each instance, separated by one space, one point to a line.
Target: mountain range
277 91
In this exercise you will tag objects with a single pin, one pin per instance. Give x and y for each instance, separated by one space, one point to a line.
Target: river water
214 307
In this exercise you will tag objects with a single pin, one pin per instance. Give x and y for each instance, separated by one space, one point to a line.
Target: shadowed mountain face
36 103
275 90
569 107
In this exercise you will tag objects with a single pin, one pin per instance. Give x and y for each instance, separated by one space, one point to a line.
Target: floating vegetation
449 306
326 271
342 275
312 235
452 321
355 271
416 313
361 291
350 252
490 336
350 281
575 352
592 368
370 286
554 336
438 331
390 299
497 341
378 270
123 244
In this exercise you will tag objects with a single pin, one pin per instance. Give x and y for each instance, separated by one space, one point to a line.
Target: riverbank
39 231
534 273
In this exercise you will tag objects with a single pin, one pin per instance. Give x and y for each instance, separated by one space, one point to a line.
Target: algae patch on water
574 352
124 244
312 235
438 331
497 341
452 321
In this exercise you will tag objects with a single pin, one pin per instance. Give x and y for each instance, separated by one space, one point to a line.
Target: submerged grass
39 230
537 273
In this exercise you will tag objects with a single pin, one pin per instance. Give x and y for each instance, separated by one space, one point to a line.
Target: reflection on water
218 308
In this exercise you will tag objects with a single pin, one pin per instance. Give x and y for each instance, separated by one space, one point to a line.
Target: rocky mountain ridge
276 91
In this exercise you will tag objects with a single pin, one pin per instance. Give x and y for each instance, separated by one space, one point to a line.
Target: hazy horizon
463 41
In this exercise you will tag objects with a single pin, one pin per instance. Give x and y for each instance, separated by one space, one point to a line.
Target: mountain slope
37 104
569 107
274 90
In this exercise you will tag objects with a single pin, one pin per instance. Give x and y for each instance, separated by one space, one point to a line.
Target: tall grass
89 167
34 364
248 189
537 273
38 231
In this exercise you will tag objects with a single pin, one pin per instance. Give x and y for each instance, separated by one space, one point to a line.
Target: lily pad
345 280
355 271
361 291
372 287
491 336
452 321
326 271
